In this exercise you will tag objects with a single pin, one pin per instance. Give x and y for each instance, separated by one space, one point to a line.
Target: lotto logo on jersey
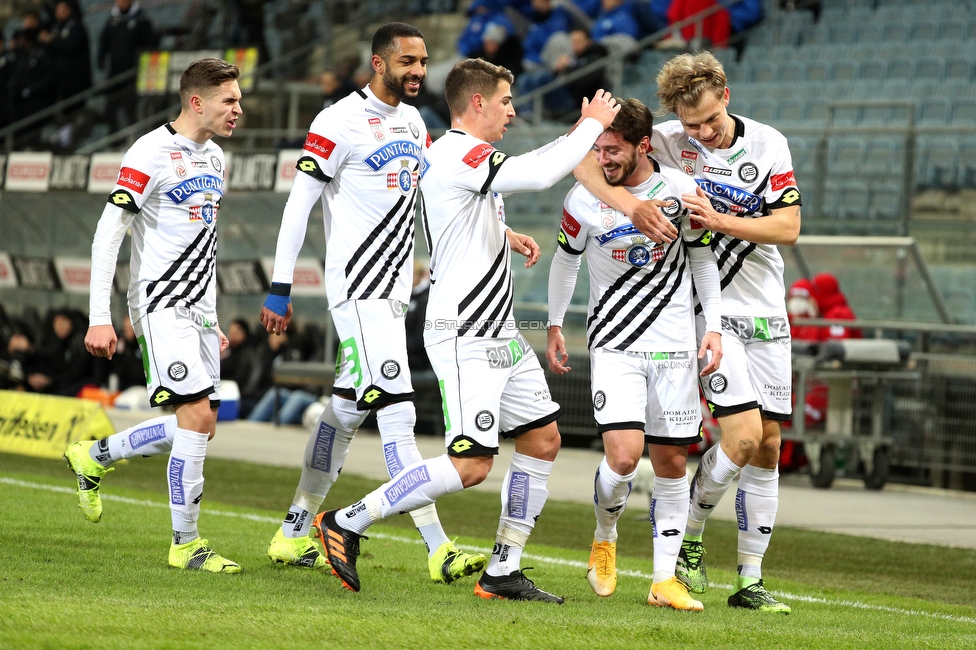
570 225
477 155
319 145
133 179
779 181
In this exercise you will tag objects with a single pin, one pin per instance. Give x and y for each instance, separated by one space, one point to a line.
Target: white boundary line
539 558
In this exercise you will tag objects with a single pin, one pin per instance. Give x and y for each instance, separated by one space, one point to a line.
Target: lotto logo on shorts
484 420
177 371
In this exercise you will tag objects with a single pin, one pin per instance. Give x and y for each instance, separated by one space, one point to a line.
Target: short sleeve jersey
471 291
640 291
749 179
371 155
173 185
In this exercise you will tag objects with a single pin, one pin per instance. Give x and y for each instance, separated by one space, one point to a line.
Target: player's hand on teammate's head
603 108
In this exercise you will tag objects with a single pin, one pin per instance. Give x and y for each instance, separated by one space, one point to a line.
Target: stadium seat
845 154
897 32
869 31
854 199
957 67
924 31
791 111
963 112
872 69
929 67
884 156
817 71
967 162
885 201
844 70
937 161
933 110
763 110
901 68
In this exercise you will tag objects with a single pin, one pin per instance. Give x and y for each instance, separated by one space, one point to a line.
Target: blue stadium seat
901 68
854 199
959 67
817 71
937 161
933 110
872 69
884 156
885 201
929 67
844 70
790 111
897 32
963 112
845 154
924 31
763 110
967 162
870 31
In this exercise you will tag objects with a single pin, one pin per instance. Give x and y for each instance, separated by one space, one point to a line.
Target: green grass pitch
67 583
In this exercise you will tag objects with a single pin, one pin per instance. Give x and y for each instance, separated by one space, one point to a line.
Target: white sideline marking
539 558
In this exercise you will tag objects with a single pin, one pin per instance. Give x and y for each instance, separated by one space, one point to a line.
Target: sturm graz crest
484 420
748 172
177 371
599 400
414 130
390 369
718 383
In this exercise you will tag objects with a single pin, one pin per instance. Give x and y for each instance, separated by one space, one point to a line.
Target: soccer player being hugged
747 198
490 379
362 160
167 196
644 359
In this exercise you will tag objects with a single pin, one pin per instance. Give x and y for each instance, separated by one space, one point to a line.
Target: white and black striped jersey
640 292
750 178
471 291
168 191
364 158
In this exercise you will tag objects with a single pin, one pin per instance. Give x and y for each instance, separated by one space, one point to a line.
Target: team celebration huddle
686 294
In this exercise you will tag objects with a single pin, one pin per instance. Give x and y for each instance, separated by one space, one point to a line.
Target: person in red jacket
833 304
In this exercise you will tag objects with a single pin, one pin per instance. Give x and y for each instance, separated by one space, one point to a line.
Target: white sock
524 494
610 494
712 480
669 515
325 454
185 478
416 486
756 502
148 438
396 424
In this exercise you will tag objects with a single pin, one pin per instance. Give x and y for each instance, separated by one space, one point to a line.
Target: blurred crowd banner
159 72
97 173
234 278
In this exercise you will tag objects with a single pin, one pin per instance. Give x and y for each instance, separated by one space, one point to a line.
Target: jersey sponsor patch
617 233
478 155
688 161
392 151
377 127
319 145
779 181
570 224
195 185
429 142
735 195
177 158
124 200
133 179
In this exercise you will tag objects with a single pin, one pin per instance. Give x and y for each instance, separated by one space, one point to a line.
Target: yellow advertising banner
43 425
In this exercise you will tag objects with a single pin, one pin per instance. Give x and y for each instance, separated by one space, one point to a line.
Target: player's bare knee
196 416
542 443
472 469
623 463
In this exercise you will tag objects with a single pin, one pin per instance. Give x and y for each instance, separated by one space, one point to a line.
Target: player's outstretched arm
780 227
645 215
541 169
